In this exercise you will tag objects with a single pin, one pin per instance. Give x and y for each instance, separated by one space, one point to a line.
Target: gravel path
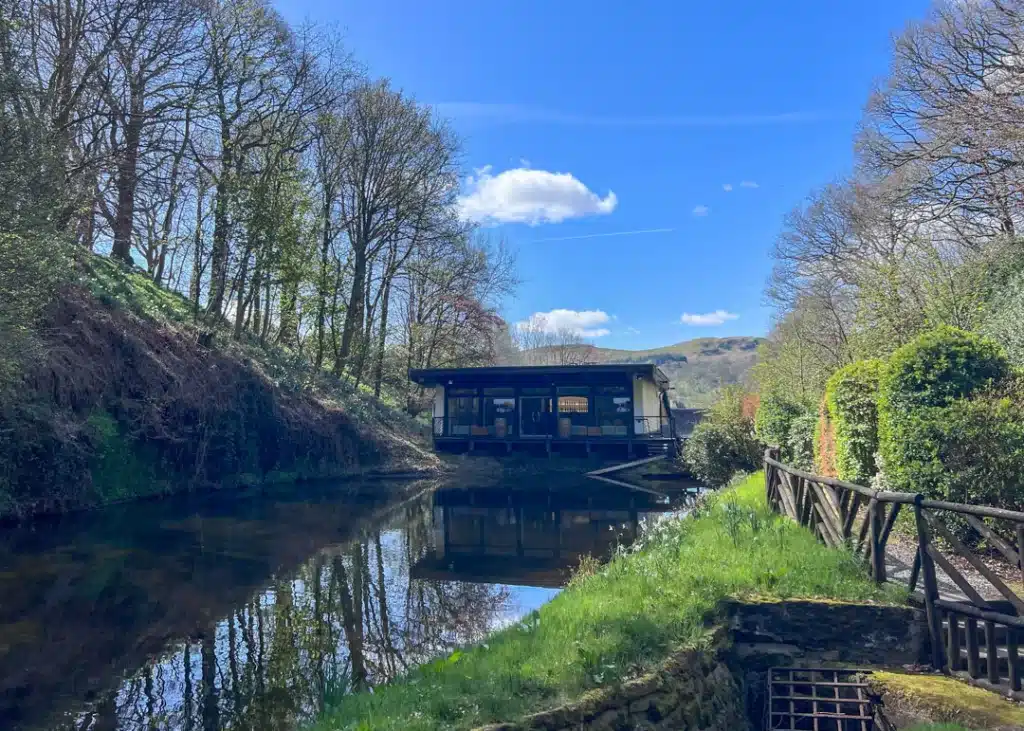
900 558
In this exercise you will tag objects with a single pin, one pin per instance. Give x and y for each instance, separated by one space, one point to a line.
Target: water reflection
223 612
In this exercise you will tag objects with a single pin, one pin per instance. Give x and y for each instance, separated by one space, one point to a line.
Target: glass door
534 416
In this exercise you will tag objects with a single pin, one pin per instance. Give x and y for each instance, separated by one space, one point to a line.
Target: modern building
554 406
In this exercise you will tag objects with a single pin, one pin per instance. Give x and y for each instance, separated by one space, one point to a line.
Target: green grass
619 621
938 727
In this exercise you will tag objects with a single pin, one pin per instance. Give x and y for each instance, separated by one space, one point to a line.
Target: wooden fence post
931 588
875 541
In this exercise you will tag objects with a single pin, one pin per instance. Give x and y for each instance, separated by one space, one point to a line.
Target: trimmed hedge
939 366
800 440
943 429
851 396
970 451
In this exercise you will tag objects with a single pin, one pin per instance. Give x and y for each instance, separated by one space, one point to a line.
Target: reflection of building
552 406
532 538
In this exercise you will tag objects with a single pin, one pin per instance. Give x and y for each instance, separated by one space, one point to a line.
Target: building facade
585 405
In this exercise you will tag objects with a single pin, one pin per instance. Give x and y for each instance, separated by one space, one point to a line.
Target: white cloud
749 184
718 317
727 187
632 331
701 210
523 195
585 323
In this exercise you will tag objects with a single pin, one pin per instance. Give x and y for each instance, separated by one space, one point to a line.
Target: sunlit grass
620 620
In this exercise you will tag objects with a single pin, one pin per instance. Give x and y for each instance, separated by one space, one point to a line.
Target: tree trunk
196 283
127 174
354 313
219 254
321 314
378 371
240 302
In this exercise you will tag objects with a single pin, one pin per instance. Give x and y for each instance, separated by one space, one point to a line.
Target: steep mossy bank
129 399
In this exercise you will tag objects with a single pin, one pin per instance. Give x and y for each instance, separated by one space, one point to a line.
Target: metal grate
818 699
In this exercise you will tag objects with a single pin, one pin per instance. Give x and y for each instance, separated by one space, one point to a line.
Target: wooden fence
979 637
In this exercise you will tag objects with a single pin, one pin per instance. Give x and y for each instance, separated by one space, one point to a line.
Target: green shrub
950 422
718 449
800 441
774 414
851 396
970 451
939 366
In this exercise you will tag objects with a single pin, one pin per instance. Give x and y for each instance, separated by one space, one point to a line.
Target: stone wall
693 689
778 633
722 688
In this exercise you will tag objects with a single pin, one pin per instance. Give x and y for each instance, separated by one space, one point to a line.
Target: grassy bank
132 397
618 621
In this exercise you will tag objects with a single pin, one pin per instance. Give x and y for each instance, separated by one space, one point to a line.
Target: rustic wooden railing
979 637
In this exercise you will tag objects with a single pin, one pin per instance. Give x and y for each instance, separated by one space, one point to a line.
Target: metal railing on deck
562 427
979 636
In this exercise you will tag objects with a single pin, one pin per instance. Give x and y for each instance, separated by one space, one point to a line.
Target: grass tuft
618 621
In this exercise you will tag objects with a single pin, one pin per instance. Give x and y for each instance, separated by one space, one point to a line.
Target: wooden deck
643 446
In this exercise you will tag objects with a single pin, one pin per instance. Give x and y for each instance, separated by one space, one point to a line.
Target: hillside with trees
698 369
183 183
895 356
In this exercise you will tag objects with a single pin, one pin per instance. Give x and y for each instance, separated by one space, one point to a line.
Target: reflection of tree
351 616
353 634
208 661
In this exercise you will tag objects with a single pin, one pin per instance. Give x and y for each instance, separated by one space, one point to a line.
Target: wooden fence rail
977 637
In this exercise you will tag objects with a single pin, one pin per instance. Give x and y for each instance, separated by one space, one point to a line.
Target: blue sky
645 111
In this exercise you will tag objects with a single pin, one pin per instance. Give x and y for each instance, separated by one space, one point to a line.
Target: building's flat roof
436 376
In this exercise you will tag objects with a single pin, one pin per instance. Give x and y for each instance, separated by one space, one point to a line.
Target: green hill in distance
697 368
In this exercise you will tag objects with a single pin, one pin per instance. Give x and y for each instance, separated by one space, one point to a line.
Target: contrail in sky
613 233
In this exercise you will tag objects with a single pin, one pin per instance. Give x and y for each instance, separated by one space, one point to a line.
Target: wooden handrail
830 508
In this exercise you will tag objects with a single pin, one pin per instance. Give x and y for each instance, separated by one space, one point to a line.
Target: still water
250 611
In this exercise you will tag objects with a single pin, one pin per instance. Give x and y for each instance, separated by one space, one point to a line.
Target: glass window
499 415
462 414
532 391
574 418
614 406
573 405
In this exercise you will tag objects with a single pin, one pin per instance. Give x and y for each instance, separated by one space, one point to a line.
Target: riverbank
131 399
618 622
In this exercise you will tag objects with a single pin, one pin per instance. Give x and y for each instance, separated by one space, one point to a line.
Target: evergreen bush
851 397
774 414
950 423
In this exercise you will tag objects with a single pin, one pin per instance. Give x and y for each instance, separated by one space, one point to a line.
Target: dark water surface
248 611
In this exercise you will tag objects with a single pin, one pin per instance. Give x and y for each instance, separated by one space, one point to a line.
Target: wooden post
1020 548
991 653
973 666
875 542
1011 658
931 589
952 641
